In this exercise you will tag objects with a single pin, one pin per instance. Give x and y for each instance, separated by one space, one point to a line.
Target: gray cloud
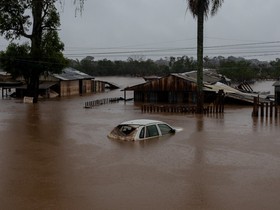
124 26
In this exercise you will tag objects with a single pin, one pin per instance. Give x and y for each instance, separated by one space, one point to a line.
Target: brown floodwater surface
56 155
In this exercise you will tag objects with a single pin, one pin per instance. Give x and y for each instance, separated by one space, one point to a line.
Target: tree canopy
236 68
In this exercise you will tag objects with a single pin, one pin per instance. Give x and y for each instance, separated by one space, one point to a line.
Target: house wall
68 88
169 89
165 96
98 86
87 86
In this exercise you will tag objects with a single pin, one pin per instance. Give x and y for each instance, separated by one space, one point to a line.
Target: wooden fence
91 104
265 109
187 109
216 107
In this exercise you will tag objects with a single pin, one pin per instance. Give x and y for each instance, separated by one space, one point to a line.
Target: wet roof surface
72 74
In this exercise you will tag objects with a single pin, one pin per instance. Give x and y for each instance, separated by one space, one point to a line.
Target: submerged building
175 88
182 88
69 82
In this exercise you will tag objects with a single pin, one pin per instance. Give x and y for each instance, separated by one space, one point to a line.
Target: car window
151 131
142 133
126 129
165 129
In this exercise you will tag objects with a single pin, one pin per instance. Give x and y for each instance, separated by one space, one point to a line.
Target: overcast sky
117 29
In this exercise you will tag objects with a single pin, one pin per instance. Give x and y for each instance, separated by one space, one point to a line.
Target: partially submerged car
140 129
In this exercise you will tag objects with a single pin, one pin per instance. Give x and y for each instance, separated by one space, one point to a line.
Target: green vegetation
37 21
133 67
248 70
237 69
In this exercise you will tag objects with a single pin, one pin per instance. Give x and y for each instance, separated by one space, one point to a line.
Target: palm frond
216 4
192 6
195 5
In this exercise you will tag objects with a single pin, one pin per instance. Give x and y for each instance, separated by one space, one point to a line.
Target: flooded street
56 155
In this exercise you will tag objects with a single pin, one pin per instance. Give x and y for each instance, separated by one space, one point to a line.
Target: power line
244 49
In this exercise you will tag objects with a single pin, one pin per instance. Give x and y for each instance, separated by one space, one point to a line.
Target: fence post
255 107
271 109
262 109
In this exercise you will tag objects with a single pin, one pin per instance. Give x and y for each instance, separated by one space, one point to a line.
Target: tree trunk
33 85
36 49
200 26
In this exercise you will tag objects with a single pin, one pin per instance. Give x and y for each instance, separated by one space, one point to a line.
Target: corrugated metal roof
72 74
220 86
277 83
209 76
185 77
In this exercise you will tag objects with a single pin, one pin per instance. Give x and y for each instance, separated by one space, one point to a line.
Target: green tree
16 60
275 73
200 10
86 65
37 21
182 64
238 71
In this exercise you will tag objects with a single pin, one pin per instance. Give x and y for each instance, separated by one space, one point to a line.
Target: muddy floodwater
56 155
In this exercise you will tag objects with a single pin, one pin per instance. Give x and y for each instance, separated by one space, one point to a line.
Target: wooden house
174 88
68 83
182 88
73 82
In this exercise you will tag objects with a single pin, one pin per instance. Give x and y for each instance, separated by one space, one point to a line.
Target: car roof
140 122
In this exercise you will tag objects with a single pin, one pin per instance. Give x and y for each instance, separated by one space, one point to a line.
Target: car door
151 131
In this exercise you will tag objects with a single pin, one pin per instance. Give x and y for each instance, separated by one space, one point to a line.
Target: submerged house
68 83
182 88
174 88
73 82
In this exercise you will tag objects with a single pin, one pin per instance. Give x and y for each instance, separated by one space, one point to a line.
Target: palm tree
200 10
